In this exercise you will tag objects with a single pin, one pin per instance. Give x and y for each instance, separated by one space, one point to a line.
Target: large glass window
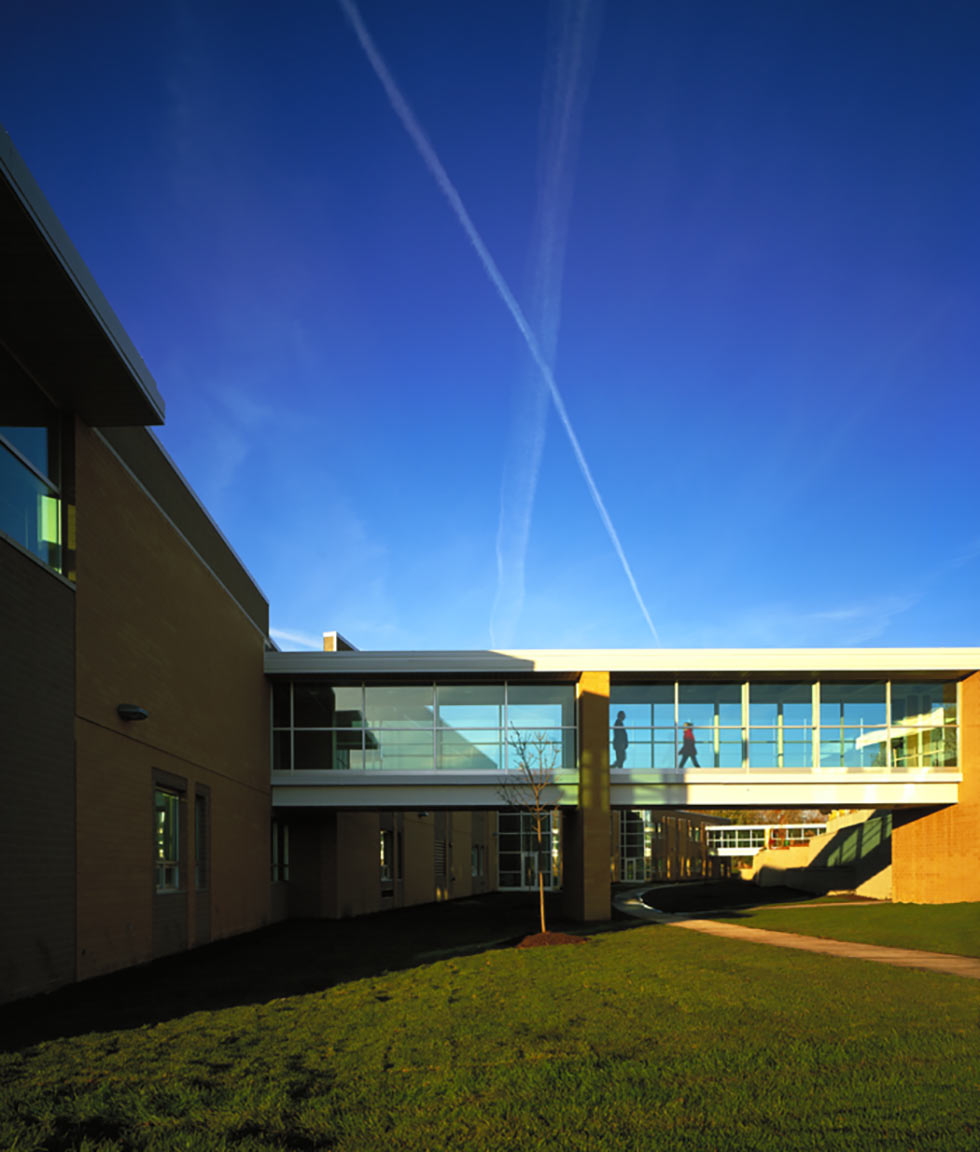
642 729
30 496
537 707
167 819
780 726
399 706
517 851
714 713
471 706
853 726
399 750
923 732
635 845
416 727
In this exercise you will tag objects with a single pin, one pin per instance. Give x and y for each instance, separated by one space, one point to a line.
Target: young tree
528 787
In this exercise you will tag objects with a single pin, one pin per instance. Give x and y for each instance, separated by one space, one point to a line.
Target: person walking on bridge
689 750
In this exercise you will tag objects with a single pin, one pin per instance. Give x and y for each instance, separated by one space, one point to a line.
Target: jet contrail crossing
433 163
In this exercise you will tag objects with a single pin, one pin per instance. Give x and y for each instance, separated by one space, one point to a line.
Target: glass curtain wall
854 725
784 726
643 733
517 851
713 712
923 731
635 844
780 726
417 727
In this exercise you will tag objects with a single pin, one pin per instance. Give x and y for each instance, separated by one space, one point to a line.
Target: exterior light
131 712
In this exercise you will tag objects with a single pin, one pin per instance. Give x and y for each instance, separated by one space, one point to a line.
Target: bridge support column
936 855
586 884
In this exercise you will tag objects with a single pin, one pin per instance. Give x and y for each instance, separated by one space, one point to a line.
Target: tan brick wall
358 876
419 883
936 856
154 627
37 777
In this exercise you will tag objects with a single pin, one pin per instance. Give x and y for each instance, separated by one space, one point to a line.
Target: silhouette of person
620 740
689 750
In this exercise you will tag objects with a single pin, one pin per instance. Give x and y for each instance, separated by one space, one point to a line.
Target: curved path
966 966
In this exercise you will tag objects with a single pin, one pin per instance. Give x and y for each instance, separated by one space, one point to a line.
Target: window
648 723
202 836
715 714
387 844
923 733
517 851
317 726
30 481
853 725
478 861
780 725
280 852
167 822
635 850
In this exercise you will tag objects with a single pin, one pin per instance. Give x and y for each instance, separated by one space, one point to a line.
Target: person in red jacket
689 750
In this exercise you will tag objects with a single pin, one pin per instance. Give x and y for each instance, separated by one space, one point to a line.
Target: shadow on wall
855 858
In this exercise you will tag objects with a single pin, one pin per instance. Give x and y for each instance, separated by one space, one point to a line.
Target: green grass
647 1038
951 928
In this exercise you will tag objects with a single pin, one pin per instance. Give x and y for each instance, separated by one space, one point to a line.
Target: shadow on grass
287 959
728 897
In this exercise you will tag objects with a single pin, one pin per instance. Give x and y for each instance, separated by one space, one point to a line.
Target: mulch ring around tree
546 939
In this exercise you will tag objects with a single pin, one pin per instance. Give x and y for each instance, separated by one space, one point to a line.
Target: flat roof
56 323
709 663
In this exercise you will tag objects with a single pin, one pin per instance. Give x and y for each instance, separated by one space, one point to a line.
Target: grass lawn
932 927
644 1038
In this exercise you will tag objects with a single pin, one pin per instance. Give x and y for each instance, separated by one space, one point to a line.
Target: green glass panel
471 705
399 706
534 706
478 750
399 750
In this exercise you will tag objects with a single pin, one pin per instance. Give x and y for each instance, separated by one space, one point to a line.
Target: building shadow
288 959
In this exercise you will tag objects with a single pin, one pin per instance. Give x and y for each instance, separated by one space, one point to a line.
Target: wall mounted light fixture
131 712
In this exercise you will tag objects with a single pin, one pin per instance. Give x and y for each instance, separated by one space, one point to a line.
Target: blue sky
743 239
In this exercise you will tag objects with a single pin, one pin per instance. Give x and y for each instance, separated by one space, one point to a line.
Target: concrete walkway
967 966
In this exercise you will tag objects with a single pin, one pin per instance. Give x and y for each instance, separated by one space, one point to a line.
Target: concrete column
936 855
586 829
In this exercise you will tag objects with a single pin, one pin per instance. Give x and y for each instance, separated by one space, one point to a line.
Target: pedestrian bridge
832 728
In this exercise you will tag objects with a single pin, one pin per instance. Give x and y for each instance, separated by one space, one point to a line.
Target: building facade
133 706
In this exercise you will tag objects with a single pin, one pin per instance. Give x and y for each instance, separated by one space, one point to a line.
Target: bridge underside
719 790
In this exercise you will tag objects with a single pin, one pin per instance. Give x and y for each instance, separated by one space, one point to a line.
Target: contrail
564 91
432 162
